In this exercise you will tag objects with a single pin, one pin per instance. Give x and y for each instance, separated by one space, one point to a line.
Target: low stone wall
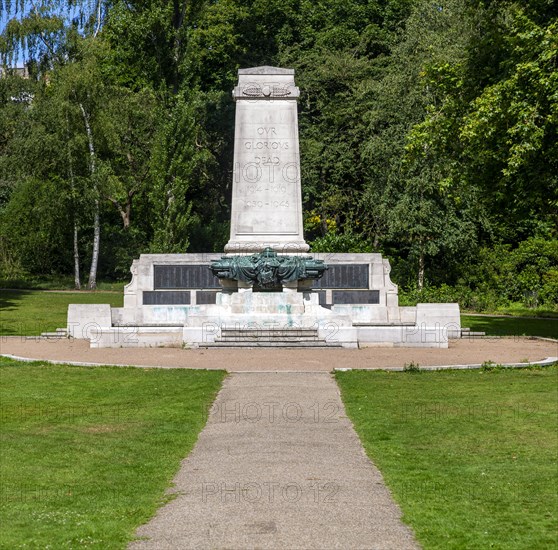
174 299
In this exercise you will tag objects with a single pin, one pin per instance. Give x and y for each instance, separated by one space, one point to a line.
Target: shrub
502 276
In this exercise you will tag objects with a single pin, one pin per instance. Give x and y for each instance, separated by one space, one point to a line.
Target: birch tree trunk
77 281
421 271
126 210
77 278
92 283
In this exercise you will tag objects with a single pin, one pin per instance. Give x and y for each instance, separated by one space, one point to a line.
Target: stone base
287 247
268 311
174 300
427 325
410 336
136 337
84 318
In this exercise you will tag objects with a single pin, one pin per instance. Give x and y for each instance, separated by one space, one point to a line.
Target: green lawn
471 456
30 312
56 282
511 326
522 311
87 453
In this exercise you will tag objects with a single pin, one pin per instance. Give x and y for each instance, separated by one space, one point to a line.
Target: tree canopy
428 129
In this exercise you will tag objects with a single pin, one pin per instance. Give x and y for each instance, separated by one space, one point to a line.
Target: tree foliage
427 129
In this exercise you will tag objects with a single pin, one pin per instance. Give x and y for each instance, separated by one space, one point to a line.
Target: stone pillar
266 197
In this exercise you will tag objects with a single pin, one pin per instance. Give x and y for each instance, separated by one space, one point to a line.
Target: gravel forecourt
460 352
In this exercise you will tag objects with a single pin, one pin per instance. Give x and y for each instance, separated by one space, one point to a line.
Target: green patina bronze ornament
268 270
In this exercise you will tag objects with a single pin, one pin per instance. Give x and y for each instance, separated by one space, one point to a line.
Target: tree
129 122
427 129
51 42
494 124
509 131
36 169
113 124
406 203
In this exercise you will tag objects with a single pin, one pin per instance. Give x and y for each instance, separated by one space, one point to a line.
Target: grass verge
511 326
30 312
56 282
522 311
470 456
87 453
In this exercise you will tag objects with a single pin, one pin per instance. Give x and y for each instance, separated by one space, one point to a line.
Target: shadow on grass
59 283
31 312
10 300
512 326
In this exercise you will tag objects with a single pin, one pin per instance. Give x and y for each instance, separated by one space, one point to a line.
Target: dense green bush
35 229
340 242
502 276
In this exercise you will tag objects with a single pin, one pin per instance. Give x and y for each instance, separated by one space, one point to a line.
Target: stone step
45 336
270 338
57 335
384 324
268 335
254 335
469 334
271 344
267 331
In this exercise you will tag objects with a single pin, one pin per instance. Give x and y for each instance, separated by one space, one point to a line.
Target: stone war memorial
266 288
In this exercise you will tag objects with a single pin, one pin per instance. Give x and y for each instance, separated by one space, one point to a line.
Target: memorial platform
265 283
174 300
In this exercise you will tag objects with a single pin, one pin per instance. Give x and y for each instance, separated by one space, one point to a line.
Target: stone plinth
266 199
268 311
174 299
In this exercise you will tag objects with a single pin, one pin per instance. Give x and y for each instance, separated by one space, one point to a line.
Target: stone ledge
266 69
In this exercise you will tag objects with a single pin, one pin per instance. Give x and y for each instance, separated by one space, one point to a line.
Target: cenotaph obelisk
266 209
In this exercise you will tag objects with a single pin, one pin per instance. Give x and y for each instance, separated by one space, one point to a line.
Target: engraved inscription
265 131
261 204
356 296
259 188
266 145
256 173
344 276
266 173
183 276
267 160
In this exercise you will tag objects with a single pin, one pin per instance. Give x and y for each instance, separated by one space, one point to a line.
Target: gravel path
278 465
499 350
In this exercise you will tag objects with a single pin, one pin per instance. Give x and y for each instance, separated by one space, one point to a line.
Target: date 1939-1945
270 204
